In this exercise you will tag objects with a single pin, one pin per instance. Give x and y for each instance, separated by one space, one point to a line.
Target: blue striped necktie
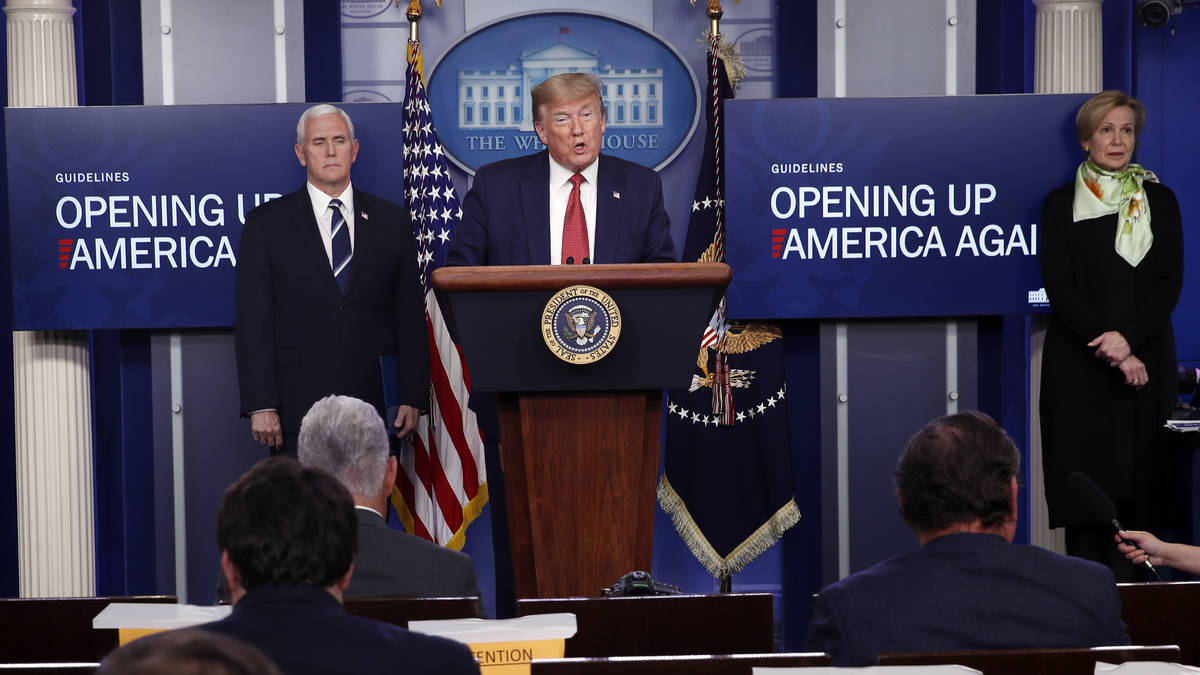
341 244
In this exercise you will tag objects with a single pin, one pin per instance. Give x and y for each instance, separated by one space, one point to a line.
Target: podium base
580 472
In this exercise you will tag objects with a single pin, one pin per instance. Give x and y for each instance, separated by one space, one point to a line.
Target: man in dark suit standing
287 535
326 284
968 587
346 438
567 204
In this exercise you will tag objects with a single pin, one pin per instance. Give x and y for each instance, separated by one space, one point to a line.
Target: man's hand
1135 372
264 426
406 421
1111 346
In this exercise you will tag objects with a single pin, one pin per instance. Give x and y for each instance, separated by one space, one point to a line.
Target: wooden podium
579 442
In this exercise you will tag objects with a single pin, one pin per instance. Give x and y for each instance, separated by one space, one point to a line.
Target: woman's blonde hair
1096 107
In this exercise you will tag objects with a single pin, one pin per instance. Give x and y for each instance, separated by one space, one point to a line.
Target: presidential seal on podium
581 324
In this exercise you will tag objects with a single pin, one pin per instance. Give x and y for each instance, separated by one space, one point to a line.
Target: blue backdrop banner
129 217
892 206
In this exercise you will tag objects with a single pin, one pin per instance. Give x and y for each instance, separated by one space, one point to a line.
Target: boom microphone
1101 508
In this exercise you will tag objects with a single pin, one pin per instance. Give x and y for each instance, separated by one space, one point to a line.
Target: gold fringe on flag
731 56
759 541
470 511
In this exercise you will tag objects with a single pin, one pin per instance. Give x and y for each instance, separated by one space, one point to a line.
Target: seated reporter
346 438
968 587
287 536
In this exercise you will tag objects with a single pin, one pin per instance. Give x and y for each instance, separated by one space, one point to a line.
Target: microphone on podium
1099 506
570 260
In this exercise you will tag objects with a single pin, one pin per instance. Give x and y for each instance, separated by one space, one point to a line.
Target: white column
1067 47
51 380
1068 58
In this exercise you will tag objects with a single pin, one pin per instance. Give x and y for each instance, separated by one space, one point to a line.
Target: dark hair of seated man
957 469
187 652
282 523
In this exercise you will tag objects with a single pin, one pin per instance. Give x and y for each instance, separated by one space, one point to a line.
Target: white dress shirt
320 202
370 510
560 193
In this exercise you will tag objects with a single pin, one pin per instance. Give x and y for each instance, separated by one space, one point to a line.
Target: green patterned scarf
1099 192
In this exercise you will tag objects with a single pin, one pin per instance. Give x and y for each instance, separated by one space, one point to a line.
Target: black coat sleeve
412 333
1059 260
254 333
470 237
659 246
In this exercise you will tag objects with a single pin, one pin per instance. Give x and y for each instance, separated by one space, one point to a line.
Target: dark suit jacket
299 338
967 591
391 563
506 215
304 630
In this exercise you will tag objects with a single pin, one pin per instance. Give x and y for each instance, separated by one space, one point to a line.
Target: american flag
442 484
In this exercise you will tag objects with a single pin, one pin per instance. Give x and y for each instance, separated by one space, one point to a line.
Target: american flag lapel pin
616 195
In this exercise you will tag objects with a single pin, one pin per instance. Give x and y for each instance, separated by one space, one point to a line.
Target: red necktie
575 236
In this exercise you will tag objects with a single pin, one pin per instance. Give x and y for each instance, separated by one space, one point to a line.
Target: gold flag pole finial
414 14
714 14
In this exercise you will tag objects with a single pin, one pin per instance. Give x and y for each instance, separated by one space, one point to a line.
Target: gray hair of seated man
345 437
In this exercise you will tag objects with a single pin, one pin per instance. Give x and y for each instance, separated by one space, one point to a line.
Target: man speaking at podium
567 204
326 284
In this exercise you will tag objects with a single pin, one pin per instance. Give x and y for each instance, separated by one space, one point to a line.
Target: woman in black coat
1112 262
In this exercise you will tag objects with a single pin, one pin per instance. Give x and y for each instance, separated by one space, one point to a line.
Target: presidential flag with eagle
727 476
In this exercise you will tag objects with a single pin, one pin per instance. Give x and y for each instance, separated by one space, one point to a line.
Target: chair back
400 611
666 625
1074 661
59 630
705 664
1164 613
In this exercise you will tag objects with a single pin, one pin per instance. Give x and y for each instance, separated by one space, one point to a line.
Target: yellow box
506 646
512 658
127 635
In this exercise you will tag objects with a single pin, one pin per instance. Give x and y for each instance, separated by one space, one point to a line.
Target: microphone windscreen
1095 503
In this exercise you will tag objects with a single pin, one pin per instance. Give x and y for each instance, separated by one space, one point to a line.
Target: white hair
317 111
346 438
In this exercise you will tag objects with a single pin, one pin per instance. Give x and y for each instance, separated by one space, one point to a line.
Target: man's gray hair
346 438
317 111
